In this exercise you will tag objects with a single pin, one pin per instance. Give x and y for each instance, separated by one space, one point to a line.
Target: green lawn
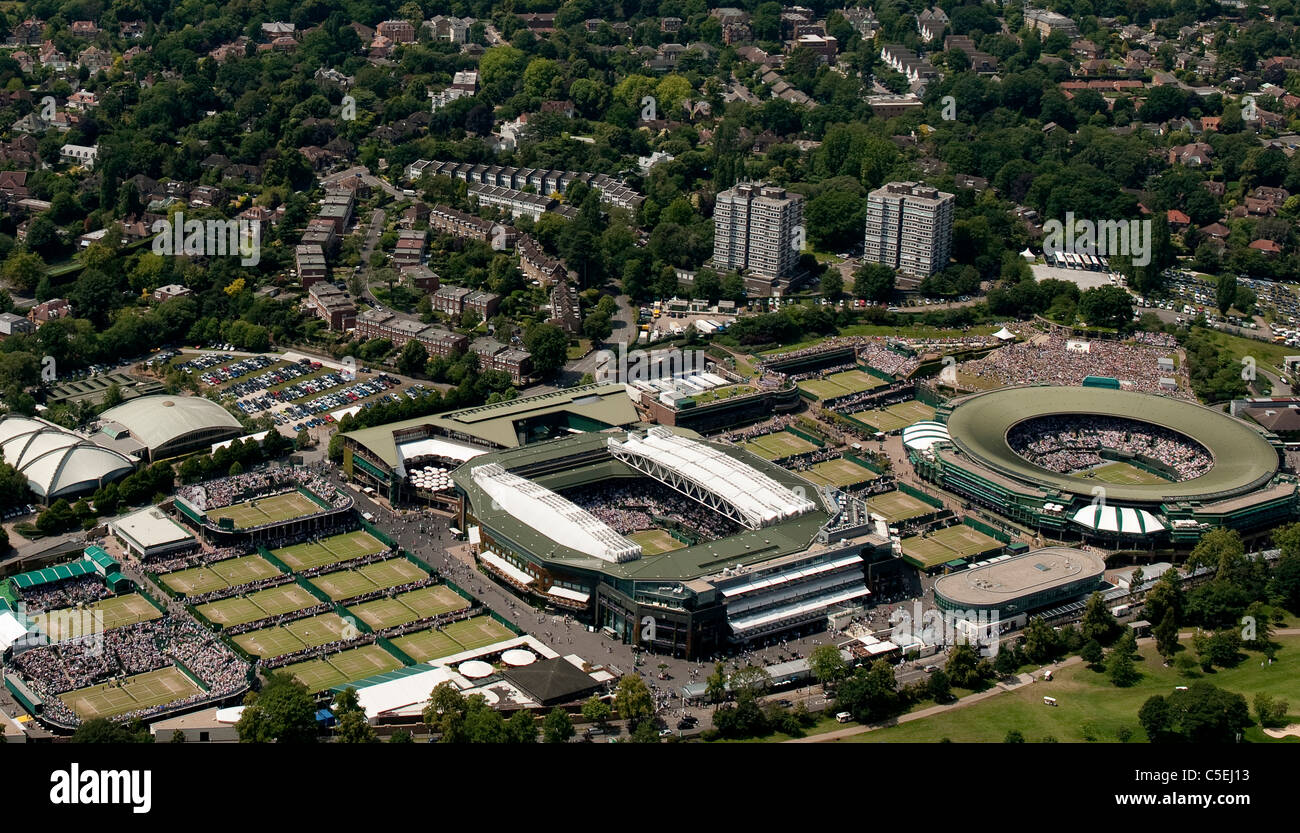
1267 355
1086 697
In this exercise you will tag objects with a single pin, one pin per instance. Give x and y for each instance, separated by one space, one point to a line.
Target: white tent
1004 335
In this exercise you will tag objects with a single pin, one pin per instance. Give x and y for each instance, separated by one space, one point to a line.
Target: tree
596 710
1042 644
1014 736
832 284
1106 306
521 728
1092 654
939 686
715 687
751 679
1269 711
413 358
1166 634
548 346
102 730
353 726
283 712
1225 293
1098 623
1225 648
632 699
645 732
827 664
1120 669
874 282
557 727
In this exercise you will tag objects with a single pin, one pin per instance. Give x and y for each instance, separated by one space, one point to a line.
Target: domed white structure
57 462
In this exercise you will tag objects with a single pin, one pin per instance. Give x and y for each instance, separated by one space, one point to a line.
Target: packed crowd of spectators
51 670
870 399
71 592
351 563
1155 339
1066 444
225 491
759 429
1048 359
646 504
237 590
279 619
191 560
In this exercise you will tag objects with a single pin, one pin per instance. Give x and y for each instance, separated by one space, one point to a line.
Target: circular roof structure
475 669
921 435
518 657
1242 459
56 462
159 421
1002 584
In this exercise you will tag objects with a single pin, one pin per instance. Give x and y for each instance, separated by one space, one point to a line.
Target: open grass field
1123 474
274 509
655 541
840 473
409 606
343 667
270 602
295 636
841 384
110 613
423 646
895 417
778 445
897 506
948 544
152 688
229 573
1085 698
345 584
330 550
477 632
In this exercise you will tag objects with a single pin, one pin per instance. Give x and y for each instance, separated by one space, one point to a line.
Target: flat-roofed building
333 305
311 265
909 228
754 231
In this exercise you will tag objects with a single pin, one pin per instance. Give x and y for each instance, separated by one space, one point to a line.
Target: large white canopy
921 435
56 462
1121 519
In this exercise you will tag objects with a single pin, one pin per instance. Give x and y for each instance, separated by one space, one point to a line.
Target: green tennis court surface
409 606
1123 474
343 667
330 550
896 417
423 646
346 584
229 573
896 506
110 613
841 473
947 545
655 541
270 602
778 445
267 510
841 384
477 632
152 688
285 639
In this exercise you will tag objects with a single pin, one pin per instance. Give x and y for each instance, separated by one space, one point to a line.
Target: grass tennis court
267 510
270 602
345 584
113 612
295 636
152 688
948 544
896 417
343 667
655 541
409 606
1123 474
330 550
840 473
778 445
841 384
423 646
229 573
897 506
477 632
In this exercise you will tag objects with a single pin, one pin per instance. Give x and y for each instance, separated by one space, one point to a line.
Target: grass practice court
898 506
410 606
346 584
229 573
113 612
343 667
152 688
295 636
778 445
267 510
840 384
423 646
1122 474
655 541
330 550
273 601
896 417
947 545
841 473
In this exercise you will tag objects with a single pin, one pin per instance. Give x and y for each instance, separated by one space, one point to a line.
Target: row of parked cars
343 398
18 511
235 370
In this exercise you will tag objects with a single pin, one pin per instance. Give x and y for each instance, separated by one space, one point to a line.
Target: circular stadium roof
158 421
922 435
1003 583
57 462
1243 459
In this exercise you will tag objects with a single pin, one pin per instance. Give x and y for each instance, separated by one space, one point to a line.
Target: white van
843 717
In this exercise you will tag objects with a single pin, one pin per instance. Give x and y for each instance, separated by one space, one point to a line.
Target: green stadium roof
1243 459
607 404
101 557
52 574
